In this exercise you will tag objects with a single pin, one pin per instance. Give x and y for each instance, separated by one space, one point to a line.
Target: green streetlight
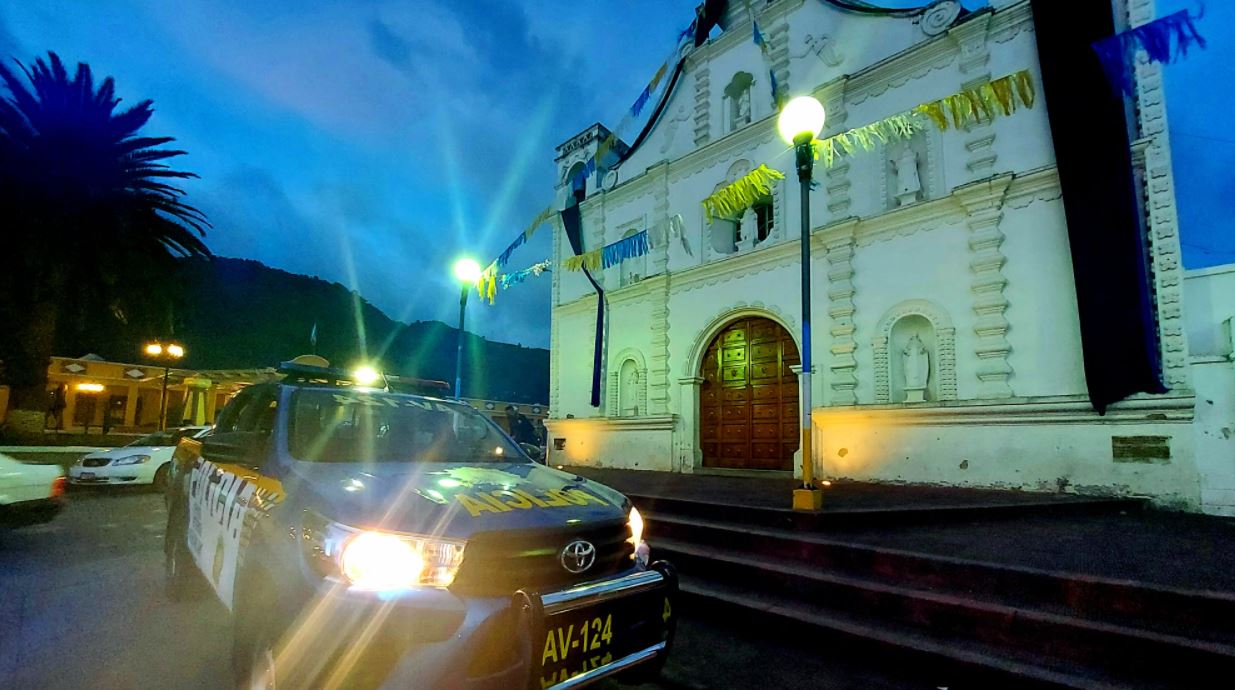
800 122
467 272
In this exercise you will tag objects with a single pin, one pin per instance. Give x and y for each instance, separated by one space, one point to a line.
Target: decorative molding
727 315
778 54
844 363
838 183
1162 221
945 348
559 426
975 57
983 202
658 289
555 350
939 17
1070 409
703 94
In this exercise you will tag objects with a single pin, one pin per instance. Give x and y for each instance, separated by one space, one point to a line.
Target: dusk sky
371 143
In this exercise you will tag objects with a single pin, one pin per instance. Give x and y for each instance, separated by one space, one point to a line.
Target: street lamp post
467 271
167 352
800 122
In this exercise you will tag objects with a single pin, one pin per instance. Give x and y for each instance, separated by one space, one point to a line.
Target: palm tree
84 200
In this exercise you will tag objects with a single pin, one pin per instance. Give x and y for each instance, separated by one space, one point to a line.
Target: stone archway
748 397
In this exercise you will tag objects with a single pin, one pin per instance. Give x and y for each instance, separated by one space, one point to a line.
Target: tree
89 213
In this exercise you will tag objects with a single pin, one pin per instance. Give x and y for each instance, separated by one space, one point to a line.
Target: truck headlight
131 460
635 522
380 561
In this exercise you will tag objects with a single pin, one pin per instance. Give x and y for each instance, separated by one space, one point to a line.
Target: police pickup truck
367 538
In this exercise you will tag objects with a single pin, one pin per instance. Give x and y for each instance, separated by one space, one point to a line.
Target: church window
763 218
738 101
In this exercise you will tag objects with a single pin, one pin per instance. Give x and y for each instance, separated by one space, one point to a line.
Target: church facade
946 340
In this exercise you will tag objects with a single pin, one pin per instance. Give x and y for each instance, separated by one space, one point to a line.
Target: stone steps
971 618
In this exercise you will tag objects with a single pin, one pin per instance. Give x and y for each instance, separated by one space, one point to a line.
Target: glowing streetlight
800 122
467 272
801 117
168 352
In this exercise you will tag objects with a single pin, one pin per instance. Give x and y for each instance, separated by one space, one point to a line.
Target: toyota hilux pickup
366 538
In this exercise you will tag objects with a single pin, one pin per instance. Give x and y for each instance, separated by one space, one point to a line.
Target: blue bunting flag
1164 41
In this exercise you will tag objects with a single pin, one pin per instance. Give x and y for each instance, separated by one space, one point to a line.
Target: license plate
86 475
580 640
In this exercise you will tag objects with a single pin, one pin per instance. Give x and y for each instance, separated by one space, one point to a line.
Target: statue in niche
743 117
917 369
908 182
748 231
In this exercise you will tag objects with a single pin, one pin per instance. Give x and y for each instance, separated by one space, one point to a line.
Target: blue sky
372 142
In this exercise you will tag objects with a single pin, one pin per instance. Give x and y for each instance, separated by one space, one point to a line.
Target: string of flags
999 97
611 254
1164 40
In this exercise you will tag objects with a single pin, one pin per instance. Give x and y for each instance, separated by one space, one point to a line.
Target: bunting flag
589 260
509 280
486 285
739 196
626 248
1164 40
865 138
611 254
998 97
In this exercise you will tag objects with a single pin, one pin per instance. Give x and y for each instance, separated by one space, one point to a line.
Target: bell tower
579 172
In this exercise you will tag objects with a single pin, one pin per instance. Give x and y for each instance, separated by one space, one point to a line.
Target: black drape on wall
572 223
1089 127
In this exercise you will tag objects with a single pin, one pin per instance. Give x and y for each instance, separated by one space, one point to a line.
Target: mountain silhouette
242 314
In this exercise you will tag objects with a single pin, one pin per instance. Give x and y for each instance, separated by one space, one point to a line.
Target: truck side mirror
236 448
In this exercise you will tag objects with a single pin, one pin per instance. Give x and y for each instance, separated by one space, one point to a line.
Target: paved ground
82 606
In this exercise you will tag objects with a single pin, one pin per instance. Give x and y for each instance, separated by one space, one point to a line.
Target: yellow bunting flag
739 196
538 221
589 260
998 97
865 138
486 285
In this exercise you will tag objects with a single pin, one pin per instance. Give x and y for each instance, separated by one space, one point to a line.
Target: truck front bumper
573 636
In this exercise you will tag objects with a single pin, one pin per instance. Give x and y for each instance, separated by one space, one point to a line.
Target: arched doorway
748 401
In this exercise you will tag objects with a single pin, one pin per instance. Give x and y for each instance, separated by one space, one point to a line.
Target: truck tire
182 581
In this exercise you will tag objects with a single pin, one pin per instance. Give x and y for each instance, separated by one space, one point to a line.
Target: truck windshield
354 426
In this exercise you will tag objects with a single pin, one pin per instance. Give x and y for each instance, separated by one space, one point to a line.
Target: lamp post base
807 499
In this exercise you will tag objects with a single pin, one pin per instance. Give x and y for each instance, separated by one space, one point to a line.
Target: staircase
954 622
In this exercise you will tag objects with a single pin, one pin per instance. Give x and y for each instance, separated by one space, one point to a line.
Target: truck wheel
182 582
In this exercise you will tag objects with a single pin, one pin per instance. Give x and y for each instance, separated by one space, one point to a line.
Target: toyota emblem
578 556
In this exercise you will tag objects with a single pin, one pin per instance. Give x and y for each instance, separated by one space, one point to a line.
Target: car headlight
131 460
379 561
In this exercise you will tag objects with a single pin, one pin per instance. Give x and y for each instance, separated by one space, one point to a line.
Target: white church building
947 342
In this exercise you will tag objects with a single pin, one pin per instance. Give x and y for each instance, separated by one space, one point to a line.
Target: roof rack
308 374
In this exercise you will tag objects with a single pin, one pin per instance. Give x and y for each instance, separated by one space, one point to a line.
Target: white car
29 494
144 461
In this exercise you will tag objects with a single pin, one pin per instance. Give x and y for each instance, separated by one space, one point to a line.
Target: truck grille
499 563
95 462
